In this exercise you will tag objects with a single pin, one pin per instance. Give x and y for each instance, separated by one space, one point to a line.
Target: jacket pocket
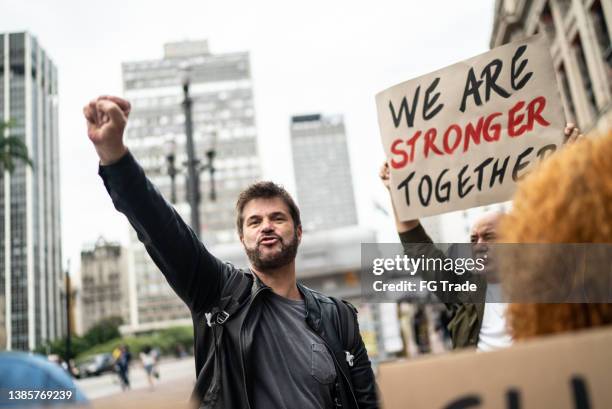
322 365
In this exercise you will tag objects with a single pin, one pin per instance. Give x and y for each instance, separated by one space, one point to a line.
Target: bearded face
269 237
264 259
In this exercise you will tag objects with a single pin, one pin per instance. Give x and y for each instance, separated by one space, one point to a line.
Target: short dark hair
265 190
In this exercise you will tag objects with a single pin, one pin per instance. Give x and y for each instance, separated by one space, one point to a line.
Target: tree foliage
12 148
104 337
101 332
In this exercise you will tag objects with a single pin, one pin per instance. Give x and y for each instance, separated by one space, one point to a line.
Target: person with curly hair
568 199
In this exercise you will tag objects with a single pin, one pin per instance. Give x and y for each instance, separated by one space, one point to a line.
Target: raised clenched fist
106 119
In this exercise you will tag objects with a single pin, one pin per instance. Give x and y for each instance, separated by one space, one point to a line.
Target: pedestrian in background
148 362
122 364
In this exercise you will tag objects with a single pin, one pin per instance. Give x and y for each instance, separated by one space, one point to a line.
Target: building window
584 73
564 6
547 23
601 31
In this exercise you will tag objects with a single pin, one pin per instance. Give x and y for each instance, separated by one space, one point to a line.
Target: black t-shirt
292 367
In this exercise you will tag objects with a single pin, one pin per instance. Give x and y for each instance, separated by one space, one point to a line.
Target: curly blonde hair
567 200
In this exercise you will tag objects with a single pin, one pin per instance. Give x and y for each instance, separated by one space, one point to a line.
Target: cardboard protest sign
571 371
462 136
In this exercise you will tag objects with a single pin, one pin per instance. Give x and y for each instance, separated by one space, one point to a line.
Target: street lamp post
210 156
68 340
171 169
68 320
193 176
192 164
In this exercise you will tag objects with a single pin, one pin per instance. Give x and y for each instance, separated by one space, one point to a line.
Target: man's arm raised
194 274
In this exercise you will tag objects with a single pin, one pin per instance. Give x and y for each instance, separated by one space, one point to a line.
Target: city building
322 172
580 44
329 258
31 274
105 289
579 35
223 115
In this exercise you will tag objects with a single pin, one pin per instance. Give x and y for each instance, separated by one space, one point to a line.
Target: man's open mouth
269 240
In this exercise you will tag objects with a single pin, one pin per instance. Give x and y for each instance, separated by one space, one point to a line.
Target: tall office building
223 121
30 242
322 172
580 44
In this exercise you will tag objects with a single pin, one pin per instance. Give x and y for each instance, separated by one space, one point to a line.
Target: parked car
96 365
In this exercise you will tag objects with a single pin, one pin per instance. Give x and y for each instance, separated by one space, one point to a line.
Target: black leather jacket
203 281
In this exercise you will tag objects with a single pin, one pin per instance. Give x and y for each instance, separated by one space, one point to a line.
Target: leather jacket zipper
242 357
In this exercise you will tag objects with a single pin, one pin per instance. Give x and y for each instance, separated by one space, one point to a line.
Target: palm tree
12 148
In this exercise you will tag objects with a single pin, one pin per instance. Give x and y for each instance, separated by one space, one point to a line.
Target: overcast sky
317 56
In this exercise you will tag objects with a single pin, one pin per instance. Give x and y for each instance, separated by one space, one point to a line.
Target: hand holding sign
477 128
402 226
385 174
572 133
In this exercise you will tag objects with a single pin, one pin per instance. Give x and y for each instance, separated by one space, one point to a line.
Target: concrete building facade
322 172
31 273
580 44
579 36
105 287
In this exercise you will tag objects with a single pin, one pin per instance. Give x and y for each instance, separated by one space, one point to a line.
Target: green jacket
466 318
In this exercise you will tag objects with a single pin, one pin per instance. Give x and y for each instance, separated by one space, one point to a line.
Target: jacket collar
313 307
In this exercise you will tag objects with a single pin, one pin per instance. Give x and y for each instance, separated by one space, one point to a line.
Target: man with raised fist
262 340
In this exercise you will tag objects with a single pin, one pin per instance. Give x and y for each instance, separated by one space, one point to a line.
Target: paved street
176 381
